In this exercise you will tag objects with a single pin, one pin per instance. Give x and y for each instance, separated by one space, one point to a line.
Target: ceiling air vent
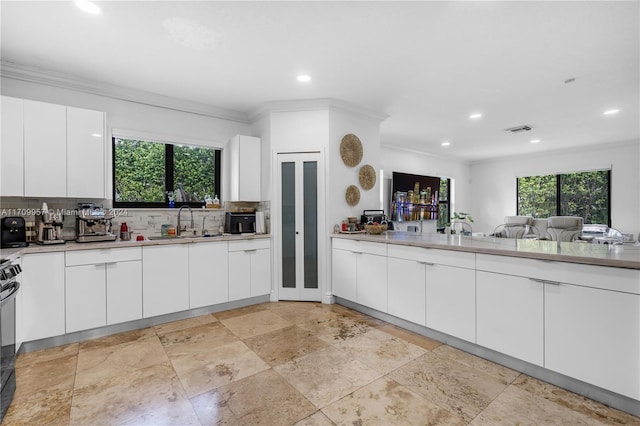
518 129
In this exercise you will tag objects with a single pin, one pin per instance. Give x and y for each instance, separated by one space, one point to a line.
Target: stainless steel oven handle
11 295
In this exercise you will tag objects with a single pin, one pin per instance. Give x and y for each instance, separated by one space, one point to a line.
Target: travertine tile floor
284 363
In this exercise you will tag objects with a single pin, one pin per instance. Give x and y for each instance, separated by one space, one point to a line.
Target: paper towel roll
260 225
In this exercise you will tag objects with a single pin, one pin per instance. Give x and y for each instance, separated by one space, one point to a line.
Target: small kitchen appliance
14 232
240 223
93 224
49 227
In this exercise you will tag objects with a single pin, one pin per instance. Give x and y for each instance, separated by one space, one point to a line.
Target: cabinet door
208 276
42 295
510 315
406 289
85 296
239 275
371 285
45 149
124 291
85 153
451 301
343 274
12 148
592 335
244 170
165 279
260 272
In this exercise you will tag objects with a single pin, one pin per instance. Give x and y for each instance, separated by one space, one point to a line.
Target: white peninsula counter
566 313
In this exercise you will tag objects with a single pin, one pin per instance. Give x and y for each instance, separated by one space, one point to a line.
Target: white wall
396 160
493 188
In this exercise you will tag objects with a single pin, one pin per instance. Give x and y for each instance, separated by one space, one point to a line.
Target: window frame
169 185
559 187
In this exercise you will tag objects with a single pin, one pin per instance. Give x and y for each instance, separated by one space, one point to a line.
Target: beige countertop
621 256
72 245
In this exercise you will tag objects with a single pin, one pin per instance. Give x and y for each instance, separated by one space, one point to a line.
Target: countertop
72 245
620 256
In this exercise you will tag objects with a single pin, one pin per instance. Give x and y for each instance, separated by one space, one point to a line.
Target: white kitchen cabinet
451 300
85 153
244 168
592 334
406 282
249 268
165 283
208 274
43 298
103 287
85 297
361 274
45 153
510 315
343 273
124 291
12 148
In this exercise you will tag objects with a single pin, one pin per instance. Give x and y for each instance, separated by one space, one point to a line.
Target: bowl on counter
375 228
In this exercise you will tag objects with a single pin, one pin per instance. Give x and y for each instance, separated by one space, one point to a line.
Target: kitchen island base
579 387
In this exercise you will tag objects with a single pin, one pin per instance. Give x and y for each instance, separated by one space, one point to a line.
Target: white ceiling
427 65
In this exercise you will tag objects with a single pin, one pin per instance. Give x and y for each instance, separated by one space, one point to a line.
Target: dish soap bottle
216 202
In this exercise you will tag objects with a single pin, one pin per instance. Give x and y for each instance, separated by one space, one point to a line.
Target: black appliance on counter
9 287
377 216
14 232
240 223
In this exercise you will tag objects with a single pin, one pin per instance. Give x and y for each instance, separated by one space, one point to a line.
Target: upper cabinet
85 153
45 150
244 168
51 150
12 148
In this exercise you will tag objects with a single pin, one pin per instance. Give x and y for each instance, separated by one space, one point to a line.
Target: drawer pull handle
427 263
251 251
356 252
536 280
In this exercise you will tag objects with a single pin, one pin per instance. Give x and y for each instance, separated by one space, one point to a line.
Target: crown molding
15 71
321 104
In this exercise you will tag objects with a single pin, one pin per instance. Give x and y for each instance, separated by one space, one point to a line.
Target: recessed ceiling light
475 116
611 112
535 140
303 78
87 6
445 143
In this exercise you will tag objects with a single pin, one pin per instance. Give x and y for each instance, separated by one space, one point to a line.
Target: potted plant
461 218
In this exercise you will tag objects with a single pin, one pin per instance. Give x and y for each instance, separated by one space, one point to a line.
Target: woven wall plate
352 195
351 150
367 177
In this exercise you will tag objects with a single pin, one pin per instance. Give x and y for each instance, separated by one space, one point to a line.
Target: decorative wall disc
352 195
351 150
367 177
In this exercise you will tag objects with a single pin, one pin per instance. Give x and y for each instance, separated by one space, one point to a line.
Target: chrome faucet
179 230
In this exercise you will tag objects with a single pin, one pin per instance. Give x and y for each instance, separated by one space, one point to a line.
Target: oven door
8 339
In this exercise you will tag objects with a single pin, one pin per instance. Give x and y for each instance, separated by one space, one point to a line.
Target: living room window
583 194
147 173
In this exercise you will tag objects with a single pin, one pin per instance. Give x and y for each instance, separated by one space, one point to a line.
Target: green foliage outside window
583 194
144 172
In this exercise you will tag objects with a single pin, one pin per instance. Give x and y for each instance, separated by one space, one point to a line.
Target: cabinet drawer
379 249
110 255
428 255
603 277
242 245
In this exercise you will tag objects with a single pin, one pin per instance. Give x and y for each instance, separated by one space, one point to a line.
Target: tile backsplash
140 221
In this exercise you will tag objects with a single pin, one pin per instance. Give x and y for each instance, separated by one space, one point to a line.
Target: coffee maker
93 224
49 227
13 232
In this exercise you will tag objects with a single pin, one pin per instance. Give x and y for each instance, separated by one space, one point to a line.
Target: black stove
9 286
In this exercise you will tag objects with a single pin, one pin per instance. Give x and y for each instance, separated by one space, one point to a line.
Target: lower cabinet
43 296
510 315
165 279
360 273
592 334
406 289
249 268
102 287
208 274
